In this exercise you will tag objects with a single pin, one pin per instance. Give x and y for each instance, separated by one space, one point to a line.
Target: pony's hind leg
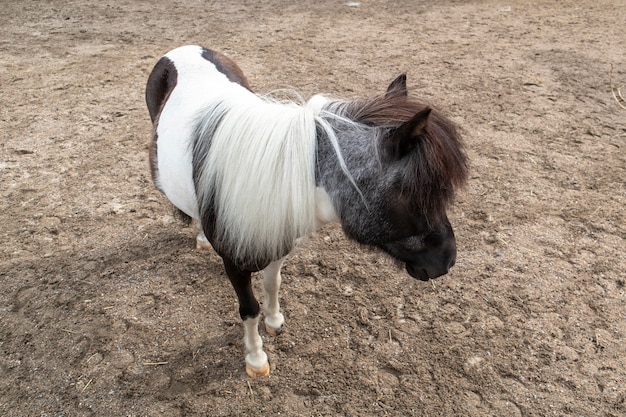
274 320
249 310
202 243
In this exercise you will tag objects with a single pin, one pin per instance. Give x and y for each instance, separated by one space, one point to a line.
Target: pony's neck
345 160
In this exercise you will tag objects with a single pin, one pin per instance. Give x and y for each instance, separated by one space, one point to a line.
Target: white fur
274 319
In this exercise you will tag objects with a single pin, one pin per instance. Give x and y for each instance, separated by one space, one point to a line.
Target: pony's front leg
274 320
256 360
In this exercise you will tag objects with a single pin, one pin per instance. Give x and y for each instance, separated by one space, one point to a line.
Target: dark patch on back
161 82
226 66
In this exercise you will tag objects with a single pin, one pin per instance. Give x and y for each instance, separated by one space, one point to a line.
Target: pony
257 174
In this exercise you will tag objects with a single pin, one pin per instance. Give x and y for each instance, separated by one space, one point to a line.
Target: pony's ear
397 88
405 137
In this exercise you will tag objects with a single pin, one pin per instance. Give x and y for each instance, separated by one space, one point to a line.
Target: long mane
254 172
437 167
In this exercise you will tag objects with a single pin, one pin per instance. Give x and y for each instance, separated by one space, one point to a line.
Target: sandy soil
106 308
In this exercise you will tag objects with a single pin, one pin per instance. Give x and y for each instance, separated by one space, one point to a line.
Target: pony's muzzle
433 263
424 274
416 272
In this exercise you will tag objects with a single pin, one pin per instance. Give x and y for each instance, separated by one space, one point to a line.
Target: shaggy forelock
437 167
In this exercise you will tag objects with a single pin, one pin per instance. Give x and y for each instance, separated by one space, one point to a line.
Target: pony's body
198 84
273 202
257 175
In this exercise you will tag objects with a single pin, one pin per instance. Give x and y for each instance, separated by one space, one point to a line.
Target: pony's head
419 165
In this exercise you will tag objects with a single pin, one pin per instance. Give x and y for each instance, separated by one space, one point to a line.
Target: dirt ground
106 308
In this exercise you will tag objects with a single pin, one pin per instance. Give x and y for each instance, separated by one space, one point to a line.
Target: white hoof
257 365
202 243
256 372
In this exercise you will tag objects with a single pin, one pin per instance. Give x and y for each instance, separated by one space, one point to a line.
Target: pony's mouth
415 272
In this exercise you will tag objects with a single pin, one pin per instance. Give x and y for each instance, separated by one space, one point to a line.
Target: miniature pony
257 174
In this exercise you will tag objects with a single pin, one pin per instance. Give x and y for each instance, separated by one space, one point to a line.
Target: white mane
259 173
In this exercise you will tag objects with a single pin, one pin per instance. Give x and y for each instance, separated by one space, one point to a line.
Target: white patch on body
198 81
